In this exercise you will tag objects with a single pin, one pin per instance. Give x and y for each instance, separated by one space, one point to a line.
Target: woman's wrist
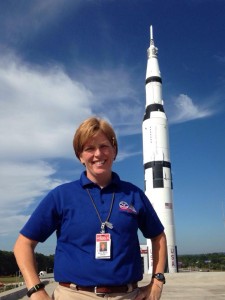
157 283
34 289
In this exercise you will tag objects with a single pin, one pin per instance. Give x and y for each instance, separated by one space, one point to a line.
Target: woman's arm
159 252
25 257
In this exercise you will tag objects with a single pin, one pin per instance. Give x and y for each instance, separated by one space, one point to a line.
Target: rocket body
156 156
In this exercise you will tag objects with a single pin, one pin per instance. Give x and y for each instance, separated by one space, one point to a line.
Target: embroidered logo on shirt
124 206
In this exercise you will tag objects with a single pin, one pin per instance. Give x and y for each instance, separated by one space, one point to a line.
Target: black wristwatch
35 288
159 277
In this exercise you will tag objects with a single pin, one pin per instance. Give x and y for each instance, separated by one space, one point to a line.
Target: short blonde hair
89 128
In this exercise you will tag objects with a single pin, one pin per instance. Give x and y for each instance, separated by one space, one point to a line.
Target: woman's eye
89 149
104 147
92 149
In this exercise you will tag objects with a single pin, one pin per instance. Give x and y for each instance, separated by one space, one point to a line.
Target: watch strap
35 288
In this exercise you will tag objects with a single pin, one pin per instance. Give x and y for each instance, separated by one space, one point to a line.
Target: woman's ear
115 154
82 161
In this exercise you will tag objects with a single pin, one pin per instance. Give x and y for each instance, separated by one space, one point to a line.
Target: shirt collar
85 181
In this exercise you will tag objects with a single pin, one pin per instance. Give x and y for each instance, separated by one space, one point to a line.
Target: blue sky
62 61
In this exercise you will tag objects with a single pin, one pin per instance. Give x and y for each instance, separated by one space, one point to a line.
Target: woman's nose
97 151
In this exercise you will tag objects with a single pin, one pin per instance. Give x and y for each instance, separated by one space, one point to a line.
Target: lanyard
106 223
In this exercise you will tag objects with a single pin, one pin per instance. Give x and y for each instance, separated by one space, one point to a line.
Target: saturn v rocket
156 156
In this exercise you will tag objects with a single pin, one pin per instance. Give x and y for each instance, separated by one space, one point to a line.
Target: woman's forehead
98 137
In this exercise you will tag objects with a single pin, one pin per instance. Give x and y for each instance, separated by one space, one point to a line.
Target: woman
99 207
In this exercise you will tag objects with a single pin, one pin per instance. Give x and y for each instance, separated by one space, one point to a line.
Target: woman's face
98 155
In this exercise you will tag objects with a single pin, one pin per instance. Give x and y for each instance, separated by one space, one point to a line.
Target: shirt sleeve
149 222
44 220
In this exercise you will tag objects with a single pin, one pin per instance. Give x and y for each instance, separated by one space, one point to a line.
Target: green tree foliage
45 263
204 262
8 265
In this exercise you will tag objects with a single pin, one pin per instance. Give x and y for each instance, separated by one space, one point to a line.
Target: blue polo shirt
69 211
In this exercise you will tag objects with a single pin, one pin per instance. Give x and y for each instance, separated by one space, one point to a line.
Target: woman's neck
101 181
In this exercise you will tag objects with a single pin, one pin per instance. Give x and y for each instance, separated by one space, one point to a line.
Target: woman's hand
151 291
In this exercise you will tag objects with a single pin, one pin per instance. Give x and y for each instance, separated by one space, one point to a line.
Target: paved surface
192 286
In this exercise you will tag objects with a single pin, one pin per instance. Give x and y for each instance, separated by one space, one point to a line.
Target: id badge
103 246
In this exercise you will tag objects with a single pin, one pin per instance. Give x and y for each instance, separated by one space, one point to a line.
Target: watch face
160 277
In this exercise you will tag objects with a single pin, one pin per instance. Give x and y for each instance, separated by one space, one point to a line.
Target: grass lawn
11 279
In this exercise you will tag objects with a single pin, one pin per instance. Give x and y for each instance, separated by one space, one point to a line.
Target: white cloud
29 180
39 110
116 98
184 109
20 184
110 84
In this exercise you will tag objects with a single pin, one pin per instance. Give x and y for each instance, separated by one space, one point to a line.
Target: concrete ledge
14 294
